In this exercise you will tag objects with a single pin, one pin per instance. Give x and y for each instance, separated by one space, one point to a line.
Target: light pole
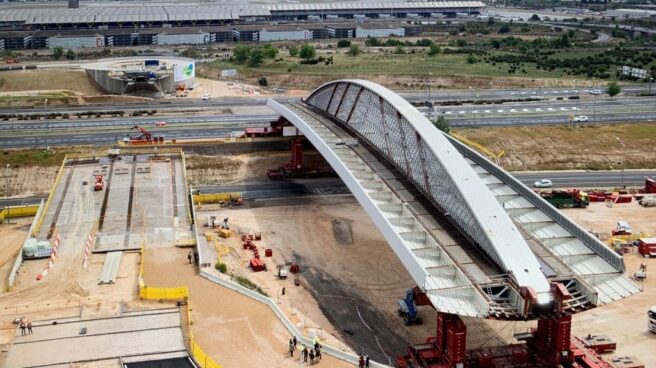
623 150
45 115
7 195
594 109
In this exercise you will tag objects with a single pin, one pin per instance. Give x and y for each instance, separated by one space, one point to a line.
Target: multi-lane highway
326 186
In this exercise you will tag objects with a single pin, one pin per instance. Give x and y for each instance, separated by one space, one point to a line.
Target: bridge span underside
475 241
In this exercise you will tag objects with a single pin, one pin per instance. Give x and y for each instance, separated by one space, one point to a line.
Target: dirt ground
562 148
624 321
222 169
39 80
350 278
232 328
12 235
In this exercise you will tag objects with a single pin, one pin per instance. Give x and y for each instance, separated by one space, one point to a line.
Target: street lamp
45 115
7 195
623 150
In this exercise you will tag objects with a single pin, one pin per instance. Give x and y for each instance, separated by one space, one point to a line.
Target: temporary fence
18 211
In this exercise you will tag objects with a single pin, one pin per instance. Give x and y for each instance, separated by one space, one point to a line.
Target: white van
651 315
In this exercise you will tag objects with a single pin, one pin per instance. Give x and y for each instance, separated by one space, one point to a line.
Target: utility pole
623 151
45 105
594 109
7 195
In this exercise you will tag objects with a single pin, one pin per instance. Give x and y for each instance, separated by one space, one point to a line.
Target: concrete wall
183 39
300 34
118 87
76 42
379 32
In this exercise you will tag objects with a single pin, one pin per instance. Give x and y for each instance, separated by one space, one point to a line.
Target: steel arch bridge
476 241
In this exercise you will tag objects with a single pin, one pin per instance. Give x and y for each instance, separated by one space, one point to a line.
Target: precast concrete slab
98 339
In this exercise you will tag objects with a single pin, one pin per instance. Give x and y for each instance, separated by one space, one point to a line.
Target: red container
243 237
624 199
258 236
295 268
257 265
268 252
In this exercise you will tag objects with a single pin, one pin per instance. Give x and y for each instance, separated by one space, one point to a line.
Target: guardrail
581 234
19 258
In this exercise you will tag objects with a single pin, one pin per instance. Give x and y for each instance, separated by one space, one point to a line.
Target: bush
399 50
221 267
613 89
433 50
471 59
342 44
372 42
293 50
354 50
442 124
307 51
263 82
269 51
241 53
256 57
504 28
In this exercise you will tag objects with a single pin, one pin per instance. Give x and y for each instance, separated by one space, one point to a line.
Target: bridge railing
581 234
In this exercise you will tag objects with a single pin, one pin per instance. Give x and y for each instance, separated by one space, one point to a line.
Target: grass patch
376 63
248 284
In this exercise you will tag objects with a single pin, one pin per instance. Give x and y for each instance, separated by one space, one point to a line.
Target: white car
595 92
543 183
651 315
206 97
581 119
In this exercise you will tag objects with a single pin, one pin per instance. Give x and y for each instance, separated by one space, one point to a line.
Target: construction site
394 246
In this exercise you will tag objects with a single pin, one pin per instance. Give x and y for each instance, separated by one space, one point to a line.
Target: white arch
493 229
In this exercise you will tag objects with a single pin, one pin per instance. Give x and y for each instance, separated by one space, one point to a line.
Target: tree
58 52
342 44
354 50
256 57
293 50
269 51
442 124
241 53
307 51
70 54
534 18
504 28
613 89
490 21
471 59
263 82
433 50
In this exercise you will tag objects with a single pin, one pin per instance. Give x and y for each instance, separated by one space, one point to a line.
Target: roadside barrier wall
18 211
19 258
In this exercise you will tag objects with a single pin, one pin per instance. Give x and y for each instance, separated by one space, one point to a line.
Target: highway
327 186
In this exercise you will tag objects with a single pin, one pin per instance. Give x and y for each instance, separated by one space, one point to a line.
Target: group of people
363 362
25 326
314 354
194 255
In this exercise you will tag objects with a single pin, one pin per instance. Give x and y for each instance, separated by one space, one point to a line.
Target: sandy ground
21 182
234 329
12 236
624 321
35 80
222 169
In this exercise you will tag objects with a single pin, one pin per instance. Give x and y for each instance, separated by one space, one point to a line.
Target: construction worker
22 327
196 256
189 257
305 353
295 342
29 327
291 348
366 361
361 362
311 356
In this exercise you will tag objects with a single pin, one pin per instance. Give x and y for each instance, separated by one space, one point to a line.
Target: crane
145 135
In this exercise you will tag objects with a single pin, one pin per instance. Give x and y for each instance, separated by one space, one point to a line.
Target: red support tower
551 340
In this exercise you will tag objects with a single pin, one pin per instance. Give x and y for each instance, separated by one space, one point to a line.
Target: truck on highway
566 198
